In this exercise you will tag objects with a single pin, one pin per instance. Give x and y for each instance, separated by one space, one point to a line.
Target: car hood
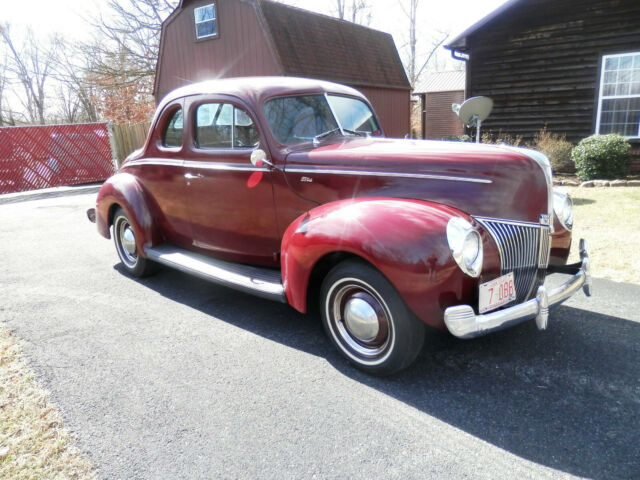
481 180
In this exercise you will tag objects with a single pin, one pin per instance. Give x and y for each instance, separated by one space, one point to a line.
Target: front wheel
125 239
367 321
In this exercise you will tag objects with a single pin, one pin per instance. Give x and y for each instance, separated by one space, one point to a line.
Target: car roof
257 89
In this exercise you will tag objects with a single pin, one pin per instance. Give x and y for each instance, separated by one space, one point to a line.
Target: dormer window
206 21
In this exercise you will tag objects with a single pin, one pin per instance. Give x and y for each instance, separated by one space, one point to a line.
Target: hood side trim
366 173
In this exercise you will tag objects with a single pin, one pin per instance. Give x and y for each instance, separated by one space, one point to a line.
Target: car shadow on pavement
567 398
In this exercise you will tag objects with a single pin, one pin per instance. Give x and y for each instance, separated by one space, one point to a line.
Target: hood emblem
544 220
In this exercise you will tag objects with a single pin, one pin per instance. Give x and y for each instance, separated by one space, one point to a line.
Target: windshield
306 118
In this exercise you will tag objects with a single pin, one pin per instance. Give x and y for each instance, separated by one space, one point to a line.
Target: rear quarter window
172 136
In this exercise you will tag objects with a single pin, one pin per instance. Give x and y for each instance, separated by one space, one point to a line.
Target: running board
263 282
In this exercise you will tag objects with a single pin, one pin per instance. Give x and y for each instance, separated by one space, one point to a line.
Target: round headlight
465 245
563 209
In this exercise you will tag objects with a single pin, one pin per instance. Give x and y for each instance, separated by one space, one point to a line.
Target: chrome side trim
158 162
462 321
365 173
230 167
262 282
193 164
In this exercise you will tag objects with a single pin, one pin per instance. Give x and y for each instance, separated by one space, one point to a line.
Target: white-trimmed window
619 100
206 21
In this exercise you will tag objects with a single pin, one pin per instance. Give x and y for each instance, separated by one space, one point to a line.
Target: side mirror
259 158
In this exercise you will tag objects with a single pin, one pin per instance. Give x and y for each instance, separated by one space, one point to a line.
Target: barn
572 65
204 39
437 92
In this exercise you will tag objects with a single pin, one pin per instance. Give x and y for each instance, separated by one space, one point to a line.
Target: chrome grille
523 248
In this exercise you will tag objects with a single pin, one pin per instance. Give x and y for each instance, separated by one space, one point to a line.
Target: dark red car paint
397 223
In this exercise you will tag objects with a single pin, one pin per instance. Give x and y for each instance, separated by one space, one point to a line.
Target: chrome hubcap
129 240
361 320
126 242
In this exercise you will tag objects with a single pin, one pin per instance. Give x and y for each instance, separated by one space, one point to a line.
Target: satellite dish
474 111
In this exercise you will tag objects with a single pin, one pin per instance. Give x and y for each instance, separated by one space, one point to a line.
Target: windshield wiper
357 133
328 133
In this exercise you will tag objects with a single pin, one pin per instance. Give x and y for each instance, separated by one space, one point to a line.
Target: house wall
392 107
439 119
540 63
242 48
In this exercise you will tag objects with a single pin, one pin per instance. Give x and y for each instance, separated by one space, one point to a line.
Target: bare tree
3 89
31 64
76 90
415 66
356 11
133 27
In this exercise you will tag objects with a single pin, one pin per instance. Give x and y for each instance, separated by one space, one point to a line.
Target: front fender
404 239
123 189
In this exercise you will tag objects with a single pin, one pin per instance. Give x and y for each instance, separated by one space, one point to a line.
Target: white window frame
214 19
601 98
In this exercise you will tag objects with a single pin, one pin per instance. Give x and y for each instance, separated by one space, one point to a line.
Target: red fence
53 155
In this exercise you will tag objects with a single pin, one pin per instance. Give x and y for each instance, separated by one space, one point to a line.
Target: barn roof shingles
318 46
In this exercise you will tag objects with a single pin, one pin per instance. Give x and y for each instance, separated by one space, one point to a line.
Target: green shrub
556 148
602 156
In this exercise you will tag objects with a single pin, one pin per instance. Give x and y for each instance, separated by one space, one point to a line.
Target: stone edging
597 183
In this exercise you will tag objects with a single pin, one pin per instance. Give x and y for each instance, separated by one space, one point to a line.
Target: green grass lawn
609 220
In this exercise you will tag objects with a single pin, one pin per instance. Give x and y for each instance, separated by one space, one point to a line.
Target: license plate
497 292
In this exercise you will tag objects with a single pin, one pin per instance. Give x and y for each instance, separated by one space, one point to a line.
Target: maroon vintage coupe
287 189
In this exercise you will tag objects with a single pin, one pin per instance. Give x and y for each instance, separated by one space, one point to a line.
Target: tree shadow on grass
567 398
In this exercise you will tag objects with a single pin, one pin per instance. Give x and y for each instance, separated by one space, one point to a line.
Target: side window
222 125
173 133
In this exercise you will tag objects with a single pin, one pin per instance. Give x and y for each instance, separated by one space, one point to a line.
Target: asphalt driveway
174 378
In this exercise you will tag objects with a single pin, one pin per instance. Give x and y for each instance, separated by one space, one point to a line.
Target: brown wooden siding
241 49
244 49
540 63
392 107
439 119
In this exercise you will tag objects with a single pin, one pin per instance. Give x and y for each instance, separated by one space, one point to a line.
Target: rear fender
404 239
124 190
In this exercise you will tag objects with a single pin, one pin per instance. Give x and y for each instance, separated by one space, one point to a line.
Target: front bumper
462 321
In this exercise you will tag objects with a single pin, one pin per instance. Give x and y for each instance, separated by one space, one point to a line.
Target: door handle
191 176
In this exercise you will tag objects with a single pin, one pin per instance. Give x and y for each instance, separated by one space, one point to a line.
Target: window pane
611 63
624 76
611 77
207 29
620 116
299 119
173 134
245 133
636 61
626 62
213 125
354 114
205 13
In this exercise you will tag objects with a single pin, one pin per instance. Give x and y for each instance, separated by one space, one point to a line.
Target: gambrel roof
308 44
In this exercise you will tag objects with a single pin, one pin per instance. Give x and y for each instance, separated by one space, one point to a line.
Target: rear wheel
367 321
125 240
